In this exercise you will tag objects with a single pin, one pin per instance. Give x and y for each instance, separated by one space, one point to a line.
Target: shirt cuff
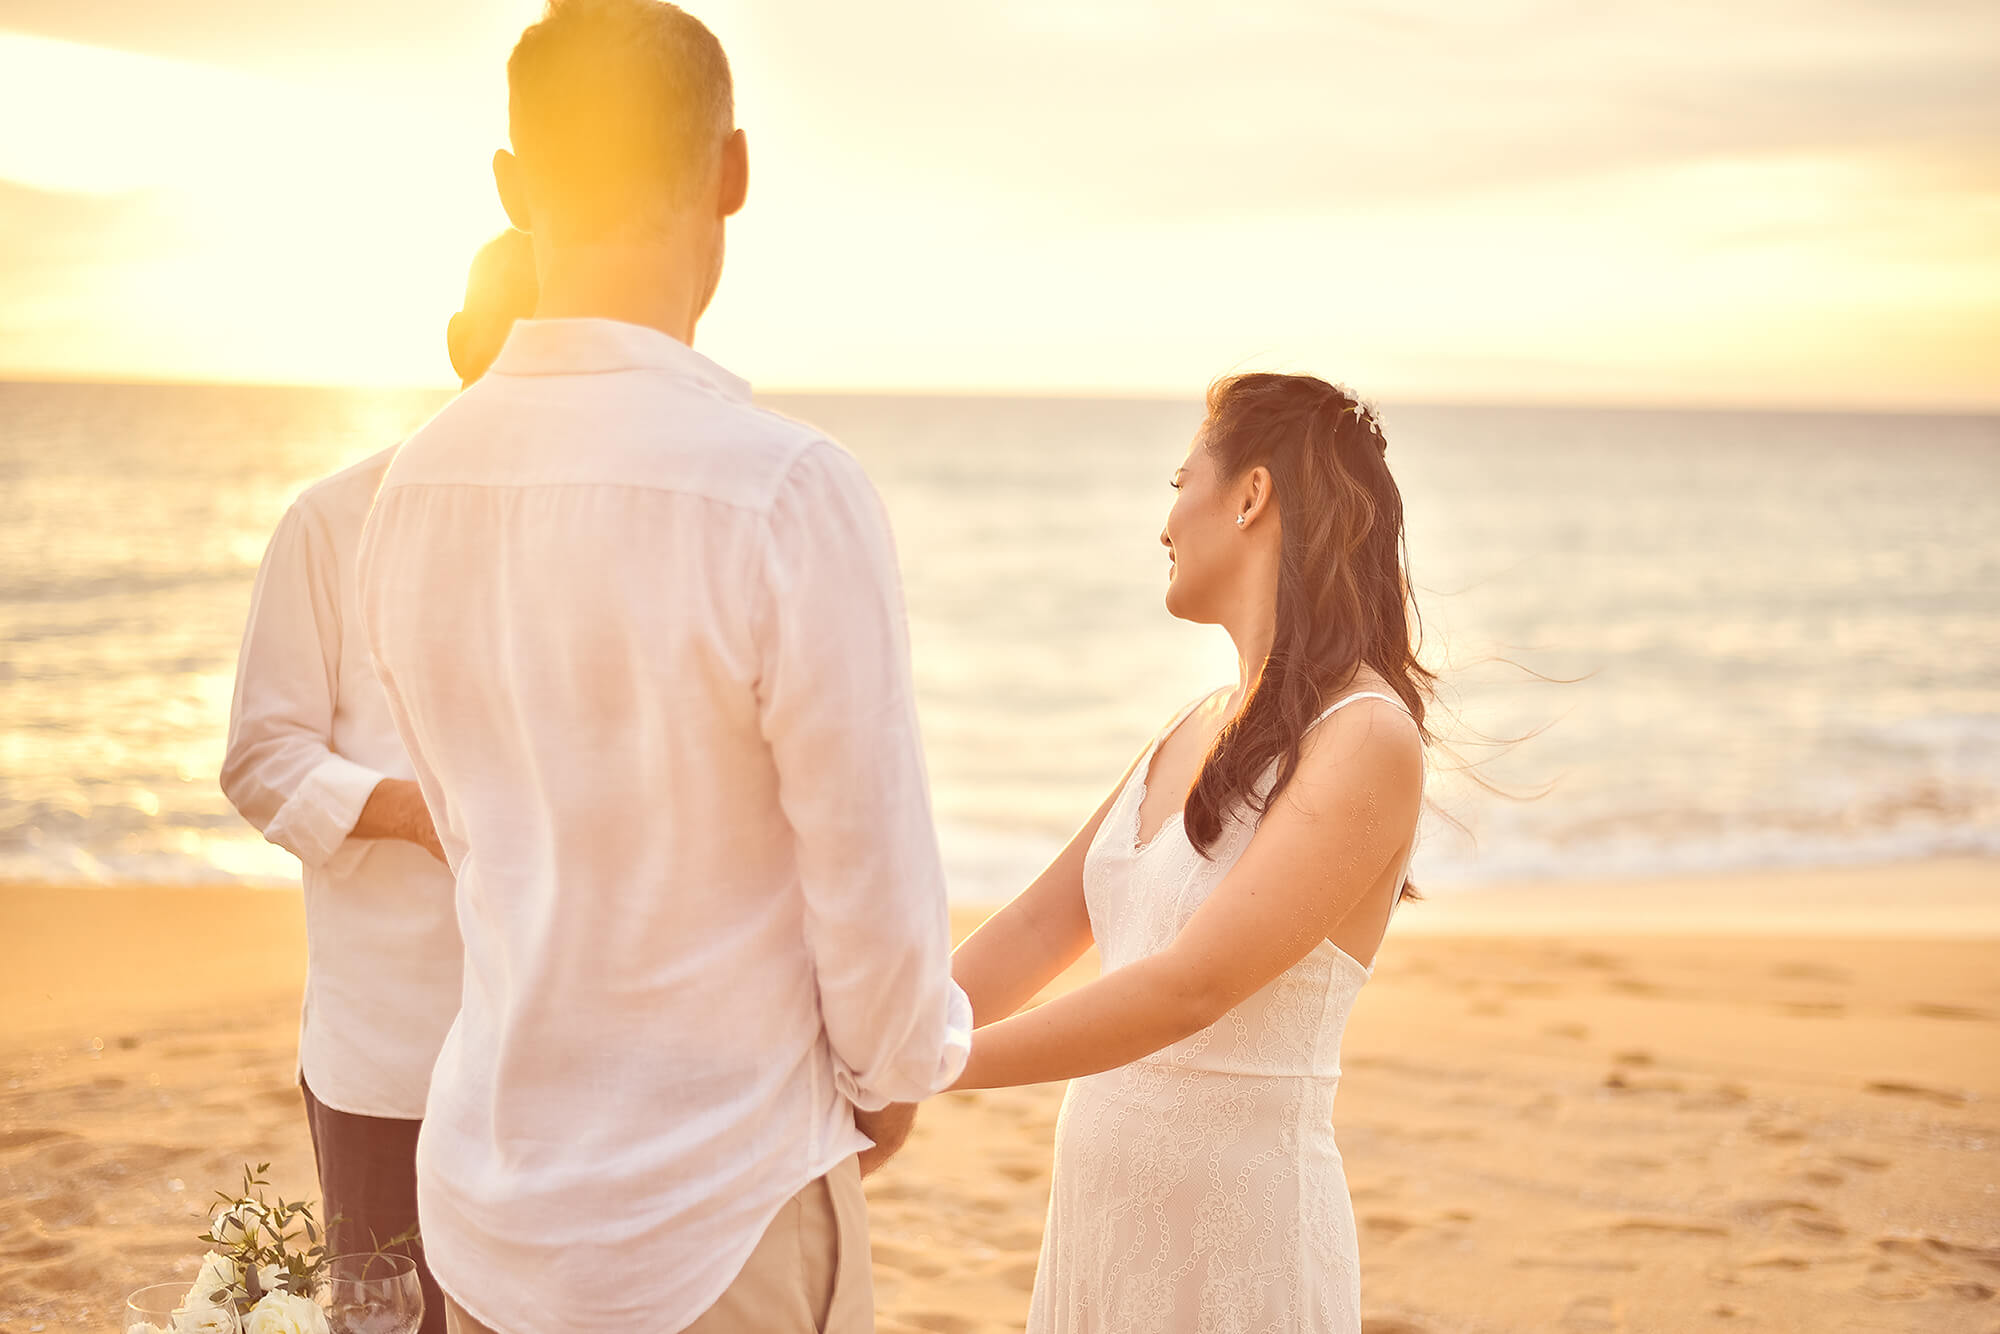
324 809
950 1065
957 1039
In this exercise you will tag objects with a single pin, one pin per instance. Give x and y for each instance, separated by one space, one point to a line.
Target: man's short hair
614 104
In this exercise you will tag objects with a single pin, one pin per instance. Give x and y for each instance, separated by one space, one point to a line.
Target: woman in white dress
1237 882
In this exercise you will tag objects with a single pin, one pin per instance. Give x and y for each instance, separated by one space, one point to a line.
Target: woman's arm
1027 944
1333 838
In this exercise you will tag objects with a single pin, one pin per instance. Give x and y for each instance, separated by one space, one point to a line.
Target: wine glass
160 1308
374 1293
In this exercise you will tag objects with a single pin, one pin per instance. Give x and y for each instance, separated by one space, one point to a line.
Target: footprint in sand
1798 1215
1933 1251
1812 1009
36 1250
1885 1284
1717 1098
1929 1011
1776 1131
1386 1227
1574 1032
1899 1089
1862 1162
1669 1227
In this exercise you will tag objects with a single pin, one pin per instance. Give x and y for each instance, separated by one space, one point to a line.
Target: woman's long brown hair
1343 580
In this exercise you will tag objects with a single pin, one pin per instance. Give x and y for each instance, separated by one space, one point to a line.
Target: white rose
204 1318
272 1278
236 1224
218 1273
282 1313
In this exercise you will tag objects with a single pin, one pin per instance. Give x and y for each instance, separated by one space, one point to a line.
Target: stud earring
1239 521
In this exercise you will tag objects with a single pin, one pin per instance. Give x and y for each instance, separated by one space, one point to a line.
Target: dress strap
1144 770
1359 694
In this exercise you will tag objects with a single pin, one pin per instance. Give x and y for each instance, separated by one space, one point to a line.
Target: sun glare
283 226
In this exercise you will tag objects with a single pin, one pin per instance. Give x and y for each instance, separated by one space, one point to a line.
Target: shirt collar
594 347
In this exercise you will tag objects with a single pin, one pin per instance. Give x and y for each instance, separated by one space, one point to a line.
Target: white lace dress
1199 1189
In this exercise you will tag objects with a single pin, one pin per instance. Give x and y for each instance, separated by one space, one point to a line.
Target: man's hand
395 809
888 1128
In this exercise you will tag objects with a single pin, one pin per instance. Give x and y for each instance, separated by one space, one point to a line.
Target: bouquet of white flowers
264 1261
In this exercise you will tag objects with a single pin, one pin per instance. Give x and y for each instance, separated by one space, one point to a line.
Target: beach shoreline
1762 1101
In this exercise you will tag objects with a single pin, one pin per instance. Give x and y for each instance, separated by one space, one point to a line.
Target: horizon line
1113 393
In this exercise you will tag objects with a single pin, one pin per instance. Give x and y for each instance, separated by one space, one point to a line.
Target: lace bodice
1141 896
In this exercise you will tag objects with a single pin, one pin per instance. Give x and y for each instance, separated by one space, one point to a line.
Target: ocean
1674 641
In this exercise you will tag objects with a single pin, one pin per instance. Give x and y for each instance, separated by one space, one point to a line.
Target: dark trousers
368 1188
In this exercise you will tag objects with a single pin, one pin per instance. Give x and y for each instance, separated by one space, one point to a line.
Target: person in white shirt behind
315 764
645 642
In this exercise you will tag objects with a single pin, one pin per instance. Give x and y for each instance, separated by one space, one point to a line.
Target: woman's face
1205 547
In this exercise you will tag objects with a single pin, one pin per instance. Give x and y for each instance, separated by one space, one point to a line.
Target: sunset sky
1777 203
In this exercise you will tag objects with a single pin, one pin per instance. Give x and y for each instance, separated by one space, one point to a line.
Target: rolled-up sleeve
280 770
838 711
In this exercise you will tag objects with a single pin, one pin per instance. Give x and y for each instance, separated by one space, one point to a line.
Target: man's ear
735 181
509 180
454 343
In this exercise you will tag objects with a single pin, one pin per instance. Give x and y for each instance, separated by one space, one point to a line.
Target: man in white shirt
645 643
315 764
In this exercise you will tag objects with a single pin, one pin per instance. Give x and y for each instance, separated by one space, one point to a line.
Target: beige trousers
810 1274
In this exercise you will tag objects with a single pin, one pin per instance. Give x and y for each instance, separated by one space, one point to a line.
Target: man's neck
647 284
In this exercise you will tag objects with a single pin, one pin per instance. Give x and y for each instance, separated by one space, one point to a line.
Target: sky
1770 203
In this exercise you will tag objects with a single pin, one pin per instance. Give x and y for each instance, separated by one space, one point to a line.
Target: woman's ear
1253 495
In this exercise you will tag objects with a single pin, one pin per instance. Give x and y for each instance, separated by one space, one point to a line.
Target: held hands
888 1128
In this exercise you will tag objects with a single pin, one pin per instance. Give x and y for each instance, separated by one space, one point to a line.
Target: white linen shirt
309 738
645 643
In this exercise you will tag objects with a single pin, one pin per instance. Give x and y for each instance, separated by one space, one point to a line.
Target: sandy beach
1757 1102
